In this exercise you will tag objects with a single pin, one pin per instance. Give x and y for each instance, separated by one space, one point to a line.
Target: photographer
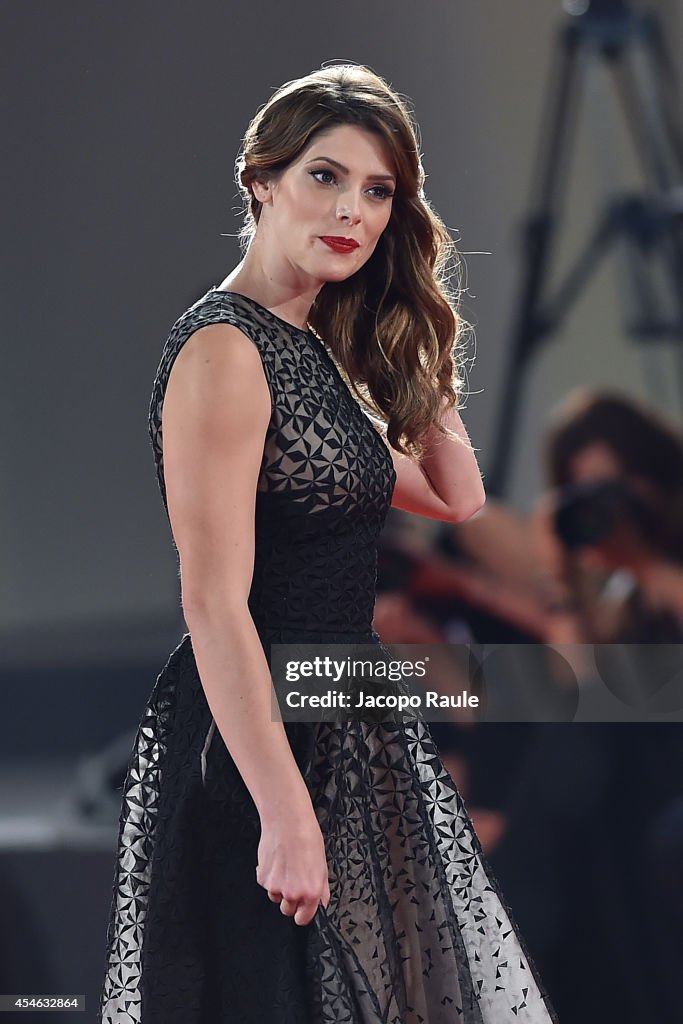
608 537
608 569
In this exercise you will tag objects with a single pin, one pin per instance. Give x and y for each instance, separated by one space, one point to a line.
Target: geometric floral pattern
416 931
412 897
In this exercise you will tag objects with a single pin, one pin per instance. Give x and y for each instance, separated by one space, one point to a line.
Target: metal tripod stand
650 221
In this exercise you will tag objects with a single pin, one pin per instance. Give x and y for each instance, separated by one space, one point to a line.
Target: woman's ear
262 190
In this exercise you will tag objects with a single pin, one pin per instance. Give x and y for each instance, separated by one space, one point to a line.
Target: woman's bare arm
446 483
215 416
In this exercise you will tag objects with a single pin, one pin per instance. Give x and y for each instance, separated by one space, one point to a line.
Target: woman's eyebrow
335 163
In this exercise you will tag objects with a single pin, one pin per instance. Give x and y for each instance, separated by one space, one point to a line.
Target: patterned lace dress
416 931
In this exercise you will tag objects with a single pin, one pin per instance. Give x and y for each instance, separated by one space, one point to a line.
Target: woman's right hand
292 866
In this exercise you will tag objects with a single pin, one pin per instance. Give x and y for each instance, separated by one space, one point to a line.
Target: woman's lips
338 245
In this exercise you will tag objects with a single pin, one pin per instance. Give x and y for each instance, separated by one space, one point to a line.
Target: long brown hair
393 325
643 440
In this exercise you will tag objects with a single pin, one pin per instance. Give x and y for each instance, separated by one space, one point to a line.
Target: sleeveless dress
416 931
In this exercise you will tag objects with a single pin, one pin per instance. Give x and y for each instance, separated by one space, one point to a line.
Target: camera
588 513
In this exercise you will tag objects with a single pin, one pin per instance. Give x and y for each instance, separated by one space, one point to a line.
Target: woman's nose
348 208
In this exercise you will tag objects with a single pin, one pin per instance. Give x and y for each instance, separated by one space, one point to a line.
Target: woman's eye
385 193
323 170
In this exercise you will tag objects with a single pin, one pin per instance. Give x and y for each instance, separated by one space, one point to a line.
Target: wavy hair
393 326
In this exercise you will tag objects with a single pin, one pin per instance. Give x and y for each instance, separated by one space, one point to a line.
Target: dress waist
274 633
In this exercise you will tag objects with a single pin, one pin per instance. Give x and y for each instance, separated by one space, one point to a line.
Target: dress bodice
326 476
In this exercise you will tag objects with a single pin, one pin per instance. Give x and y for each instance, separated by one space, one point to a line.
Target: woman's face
340 186
596 461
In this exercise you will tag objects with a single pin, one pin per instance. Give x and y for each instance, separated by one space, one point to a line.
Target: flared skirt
416 930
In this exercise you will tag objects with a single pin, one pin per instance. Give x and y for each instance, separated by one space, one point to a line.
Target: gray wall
121 125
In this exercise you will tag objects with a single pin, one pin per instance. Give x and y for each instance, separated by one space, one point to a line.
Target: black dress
416 931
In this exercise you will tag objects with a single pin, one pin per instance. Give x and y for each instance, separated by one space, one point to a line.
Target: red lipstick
340 244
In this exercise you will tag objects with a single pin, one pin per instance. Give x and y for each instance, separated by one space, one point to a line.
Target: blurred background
551 137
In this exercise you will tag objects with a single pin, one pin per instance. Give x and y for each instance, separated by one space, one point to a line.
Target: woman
609 541
306 872
608 537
